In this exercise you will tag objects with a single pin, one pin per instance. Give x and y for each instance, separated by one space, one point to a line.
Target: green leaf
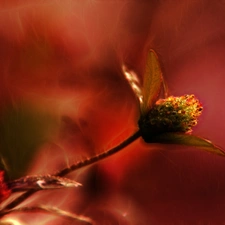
39 182
188 140
22 131
152 82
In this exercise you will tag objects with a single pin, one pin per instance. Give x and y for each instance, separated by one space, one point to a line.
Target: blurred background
63 98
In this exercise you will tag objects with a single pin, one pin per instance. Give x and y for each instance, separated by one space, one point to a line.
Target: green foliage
22 131
152 82
188 140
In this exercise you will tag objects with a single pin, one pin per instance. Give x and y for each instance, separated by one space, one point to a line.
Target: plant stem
100 156
77 166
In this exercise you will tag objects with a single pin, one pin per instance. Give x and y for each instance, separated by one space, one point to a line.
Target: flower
173 114
168 120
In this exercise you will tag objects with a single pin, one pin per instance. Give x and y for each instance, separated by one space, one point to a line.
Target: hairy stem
77 166
99 157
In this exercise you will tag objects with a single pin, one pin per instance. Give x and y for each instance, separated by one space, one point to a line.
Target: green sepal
187 140
152 82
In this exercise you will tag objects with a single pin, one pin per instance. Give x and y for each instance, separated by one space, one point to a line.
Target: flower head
169 120
173 114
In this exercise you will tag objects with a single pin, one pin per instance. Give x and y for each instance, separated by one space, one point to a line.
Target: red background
66 56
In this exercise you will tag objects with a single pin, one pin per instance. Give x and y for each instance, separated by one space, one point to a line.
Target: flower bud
173 114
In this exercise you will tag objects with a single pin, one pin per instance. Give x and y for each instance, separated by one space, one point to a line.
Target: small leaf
133 80
152 82
188 140
39 182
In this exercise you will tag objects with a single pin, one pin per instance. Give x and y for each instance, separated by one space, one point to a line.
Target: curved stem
77 166
100 156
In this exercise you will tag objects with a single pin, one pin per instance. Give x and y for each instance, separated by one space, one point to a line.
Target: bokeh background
62 59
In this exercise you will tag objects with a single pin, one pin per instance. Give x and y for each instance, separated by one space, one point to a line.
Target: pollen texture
173 114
